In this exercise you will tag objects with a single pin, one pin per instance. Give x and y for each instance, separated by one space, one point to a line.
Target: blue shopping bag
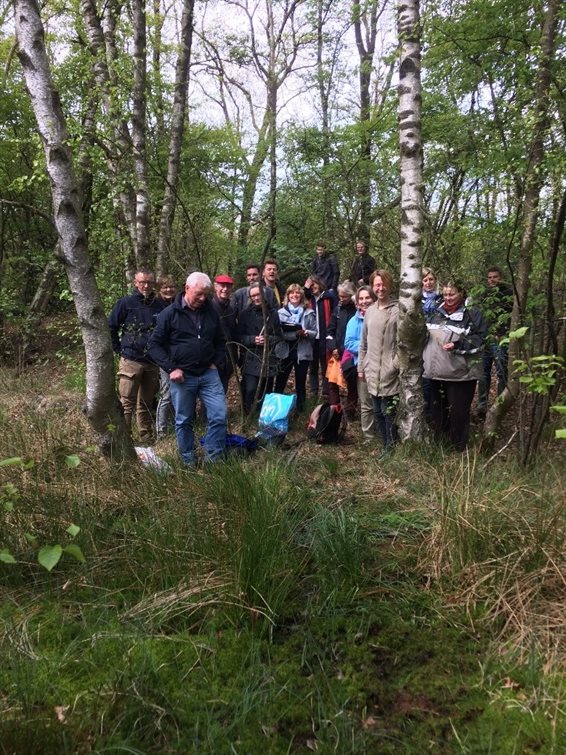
274 416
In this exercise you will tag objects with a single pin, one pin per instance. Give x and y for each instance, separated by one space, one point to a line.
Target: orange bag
334 373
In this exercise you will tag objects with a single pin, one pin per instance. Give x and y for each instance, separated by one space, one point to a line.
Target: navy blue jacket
336 331
188 340
131 323
326 268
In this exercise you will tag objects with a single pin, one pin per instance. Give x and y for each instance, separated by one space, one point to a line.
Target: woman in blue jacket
364 299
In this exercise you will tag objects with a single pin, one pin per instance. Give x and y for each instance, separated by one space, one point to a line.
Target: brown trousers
138 383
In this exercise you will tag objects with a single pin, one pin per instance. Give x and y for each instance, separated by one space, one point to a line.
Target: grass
289 602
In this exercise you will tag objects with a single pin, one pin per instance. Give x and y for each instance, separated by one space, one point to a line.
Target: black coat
250 325
363 267
336 331
131 323
189 340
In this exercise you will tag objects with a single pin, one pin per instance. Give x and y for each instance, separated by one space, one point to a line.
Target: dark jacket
131 323
363 267
496 305
189 340
323 308
336 331
250 325
326 268
241 298
228 318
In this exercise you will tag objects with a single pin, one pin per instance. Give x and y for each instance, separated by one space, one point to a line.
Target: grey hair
347 288
198 279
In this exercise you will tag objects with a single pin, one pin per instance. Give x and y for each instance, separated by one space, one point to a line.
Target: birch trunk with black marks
411 327
118 146
178 117
102 407
139 132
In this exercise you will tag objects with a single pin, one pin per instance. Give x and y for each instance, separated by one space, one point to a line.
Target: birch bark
102 406
411 326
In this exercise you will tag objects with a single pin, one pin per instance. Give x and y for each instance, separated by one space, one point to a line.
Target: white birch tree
102 408
411 328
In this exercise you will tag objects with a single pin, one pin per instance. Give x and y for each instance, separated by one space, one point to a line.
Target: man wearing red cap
223 285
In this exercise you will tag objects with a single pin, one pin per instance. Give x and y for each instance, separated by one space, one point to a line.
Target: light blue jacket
354 334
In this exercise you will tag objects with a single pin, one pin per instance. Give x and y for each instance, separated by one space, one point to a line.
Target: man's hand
449 347
177 376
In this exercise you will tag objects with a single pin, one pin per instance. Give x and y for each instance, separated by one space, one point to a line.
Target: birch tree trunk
102 406
534 182
176 138
139 132
411 327
101 46
365 19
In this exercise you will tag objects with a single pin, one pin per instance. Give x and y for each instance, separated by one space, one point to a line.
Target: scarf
452 309
296 314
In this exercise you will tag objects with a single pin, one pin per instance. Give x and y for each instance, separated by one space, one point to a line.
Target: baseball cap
223 279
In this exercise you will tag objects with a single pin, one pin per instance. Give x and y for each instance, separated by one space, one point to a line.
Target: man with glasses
131 322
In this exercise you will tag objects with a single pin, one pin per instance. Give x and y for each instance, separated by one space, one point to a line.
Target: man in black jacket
131 322
496 305
363 266
325 267
221 301
188 342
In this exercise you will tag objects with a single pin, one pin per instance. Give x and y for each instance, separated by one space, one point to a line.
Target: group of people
342 337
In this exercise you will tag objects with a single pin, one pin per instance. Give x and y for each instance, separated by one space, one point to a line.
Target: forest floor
305 599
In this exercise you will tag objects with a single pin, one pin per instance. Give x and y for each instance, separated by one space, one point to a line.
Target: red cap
224 279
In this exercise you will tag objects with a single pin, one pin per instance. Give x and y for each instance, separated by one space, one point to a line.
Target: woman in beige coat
378 357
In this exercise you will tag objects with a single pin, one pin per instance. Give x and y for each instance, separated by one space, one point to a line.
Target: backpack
327 423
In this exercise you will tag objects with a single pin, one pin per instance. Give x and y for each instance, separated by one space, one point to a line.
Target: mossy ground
290 602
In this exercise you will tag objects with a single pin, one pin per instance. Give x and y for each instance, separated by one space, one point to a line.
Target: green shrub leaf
74 551
72 461
519 333
11 462
49 556
561 433
6 557
73 530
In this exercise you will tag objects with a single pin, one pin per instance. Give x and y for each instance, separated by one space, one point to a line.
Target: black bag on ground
327 423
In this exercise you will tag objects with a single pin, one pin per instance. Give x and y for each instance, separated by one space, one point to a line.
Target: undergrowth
290 602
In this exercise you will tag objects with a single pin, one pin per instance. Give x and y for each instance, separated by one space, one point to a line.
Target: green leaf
6 557
10 489
11 462
73 530
49 556
72 461
74 551
30 538
560 433
559 409
8 506
519 333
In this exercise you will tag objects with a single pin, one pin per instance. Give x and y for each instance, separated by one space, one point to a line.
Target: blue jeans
385 410
207 387
494 353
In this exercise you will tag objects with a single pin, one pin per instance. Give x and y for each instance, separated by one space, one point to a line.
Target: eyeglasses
144 283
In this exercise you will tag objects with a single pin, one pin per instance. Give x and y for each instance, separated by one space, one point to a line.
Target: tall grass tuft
258 512
500 540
